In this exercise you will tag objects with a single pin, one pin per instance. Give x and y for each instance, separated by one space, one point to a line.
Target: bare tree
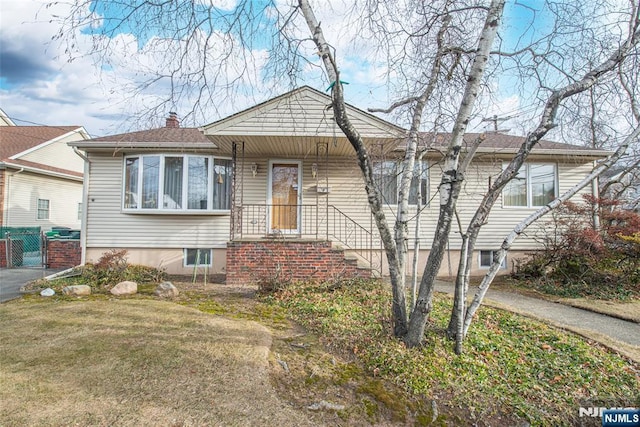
442 58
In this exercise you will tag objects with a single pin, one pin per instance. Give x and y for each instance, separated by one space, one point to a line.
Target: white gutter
41 171
79 130
82 156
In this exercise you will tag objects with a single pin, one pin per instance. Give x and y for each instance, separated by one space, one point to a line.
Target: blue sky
38 85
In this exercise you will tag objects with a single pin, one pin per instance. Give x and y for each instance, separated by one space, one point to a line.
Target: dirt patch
329 385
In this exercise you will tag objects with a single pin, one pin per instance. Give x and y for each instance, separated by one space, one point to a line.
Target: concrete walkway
11 279
602 328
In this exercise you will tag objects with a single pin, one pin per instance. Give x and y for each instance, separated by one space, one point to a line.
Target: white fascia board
79 130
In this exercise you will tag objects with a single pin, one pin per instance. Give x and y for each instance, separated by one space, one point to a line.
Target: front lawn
511 365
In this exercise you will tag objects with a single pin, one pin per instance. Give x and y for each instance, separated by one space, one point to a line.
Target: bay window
535 185
177 183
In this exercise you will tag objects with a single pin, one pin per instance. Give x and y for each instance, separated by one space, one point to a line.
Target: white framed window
387 175
175 182
79 211
43 209
195 257
485 258
535 185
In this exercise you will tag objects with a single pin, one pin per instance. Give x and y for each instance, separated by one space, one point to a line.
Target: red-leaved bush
588 257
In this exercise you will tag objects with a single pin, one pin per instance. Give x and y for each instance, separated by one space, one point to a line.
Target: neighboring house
40 176
5 120
622 185
274 192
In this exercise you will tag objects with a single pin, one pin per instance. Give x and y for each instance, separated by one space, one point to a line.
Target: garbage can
17 253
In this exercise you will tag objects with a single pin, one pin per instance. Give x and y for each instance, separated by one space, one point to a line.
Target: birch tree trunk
522 226
451 181
396 275
546 123
416 236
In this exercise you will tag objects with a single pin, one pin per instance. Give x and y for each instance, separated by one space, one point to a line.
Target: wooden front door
285 184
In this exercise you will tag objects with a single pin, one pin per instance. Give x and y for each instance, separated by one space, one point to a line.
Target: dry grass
134 362
628 310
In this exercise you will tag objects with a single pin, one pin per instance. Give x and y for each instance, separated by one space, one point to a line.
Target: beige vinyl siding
348 195
58 154
23 189
303 114
109 226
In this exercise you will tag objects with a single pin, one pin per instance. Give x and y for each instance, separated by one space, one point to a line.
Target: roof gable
15 140
5 120
301 112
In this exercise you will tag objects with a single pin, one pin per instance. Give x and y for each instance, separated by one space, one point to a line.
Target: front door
284 188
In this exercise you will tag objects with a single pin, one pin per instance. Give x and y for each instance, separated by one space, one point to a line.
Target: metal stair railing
352 235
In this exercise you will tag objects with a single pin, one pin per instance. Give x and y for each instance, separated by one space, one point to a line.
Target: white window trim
164 211
486 267
527 165
48 210
427 170
210 259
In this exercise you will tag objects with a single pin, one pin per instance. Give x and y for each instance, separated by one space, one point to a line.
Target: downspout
85 205
595 192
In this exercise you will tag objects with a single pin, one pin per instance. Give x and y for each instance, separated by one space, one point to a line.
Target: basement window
198 257
487 257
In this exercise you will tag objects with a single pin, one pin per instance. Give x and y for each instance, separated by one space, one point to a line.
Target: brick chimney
172 120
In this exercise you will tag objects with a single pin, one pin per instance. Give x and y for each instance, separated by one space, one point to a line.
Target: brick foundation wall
63 253
255 261
3 253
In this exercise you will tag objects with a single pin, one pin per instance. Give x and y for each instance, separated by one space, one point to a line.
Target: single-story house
274 192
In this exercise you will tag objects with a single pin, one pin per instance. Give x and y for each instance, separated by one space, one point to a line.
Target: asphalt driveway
11 279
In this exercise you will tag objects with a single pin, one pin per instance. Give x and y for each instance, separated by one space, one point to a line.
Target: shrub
580 260
112 267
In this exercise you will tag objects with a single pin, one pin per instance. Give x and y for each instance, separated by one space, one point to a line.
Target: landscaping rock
77 290
125 288
47 292
324 405
166 290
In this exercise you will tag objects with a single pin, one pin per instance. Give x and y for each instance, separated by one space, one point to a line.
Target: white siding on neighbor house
58 154
23 191
108 226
